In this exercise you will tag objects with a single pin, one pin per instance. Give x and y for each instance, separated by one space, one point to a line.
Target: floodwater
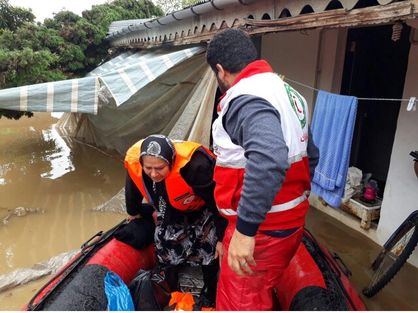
358 252
49 186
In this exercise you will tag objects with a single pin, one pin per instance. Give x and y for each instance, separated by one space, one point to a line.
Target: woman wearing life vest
265 159
176 180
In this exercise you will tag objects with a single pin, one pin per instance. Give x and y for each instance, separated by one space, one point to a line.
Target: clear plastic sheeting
115 205
39 270
179 103
196 120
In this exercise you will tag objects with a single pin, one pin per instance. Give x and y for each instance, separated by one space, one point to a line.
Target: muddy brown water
49 186
358 252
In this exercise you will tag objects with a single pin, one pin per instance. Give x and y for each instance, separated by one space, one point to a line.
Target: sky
44 9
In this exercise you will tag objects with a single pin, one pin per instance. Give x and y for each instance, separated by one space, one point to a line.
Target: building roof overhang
199 23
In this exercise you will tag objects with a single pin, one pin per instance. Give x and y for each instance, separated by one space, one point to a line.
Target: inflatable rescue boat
314 280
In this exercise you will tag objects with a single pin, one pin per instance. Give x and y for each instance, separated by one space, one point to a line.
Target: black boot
171 274
210 281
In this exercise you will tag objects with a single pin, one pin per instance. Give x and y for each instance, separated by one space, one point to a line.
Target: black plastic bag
150 292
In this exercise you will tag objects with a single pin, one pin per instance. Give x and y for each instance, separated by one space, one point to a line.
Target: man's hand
132 217
240 253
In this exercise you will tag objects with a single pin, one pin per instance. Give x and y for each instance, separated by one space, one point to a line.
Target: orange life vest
184 301
180 195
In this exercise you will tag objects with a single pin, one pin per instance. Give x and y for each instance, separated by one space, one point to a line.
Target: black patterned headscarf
158 146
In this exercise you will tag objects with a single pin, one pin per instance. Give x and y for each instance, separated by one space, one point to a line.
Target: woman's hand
132 217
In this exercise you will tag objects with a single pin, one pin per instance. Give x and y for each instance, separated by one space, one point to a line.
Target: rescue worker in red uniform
265 159
176 180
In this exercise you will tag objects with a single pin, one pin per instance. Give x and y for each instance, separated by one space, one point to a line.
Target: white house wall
401 192
295 55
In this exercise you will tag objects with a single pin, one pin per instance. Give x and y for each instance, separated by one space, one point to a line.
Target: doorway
375 67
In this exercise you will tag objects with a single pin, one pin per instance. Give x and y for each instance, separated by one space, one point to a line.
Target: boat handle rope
88 244
333 265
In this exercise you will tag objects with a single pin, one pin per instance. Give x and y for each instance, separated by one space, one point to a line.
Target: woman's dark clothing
181 237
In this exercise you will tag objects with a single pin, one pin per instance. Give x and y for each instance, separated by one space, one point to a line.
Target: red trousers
254 292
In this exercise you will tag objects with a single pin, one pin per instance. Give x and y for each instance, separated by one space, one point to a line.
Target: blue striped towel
332 129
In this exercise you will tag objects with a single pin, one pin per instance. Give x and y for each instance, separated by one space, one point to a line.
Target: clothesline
372 99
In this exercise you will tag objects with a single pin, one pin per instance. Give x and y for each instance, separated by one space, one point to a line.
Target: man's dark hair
231 48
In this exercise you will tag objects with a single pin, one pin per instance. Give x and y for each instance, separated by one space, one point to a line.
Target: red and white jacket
290 204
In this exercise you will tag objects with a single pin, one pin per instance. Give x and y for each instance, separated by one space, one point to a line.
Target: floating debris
39 270
115 205
20 211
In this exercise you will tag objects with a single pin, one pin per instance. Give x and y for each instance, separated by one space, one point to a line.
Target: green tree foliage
27 67
13 17
65 46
